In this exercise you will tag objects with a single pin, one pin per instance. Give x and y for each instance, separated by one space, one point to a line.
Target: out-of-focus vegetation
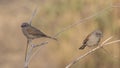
52 16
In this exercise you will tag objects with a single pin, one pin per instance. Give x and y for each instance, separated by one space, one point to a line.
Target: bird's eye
24 25
98 34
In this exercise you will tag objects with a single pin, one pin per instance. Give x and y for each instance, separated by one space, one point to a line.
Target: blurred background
53 16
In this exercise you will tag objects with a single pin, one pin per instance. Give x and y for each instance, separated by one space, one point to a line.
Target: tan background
52 16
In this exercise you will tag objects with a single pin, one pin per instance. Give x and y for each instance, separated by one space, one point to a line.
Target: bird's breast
93 40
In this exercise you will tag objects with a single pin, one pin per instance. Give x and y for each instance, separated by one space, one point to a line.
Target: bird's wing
35 31
86 39
99 40
84 44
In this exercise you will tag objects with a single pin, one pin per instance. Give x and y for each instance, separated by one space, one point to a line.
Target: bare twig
44 43
29 53
112 42
33 15
28 57
85 19
93 50
106 40
82 20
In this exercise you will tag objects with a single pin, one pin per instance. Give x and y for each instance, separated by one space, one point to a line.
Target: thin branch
29 53
44 43
112 42
104 43
33 15
82 20
106 40
85 19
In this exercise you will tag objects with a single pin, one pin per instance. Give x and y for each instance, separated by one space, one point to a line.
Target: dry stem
33 15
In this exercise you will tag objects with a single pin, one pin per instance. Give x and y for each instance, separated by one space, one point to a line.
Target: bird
92 39
31 33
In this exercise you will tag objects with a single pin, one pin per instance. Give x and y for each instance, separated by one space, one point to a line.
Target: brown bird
32 33
92 39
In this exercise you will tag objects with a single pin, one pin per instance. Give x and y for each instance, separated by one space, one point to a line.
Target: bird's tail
52 38
82 47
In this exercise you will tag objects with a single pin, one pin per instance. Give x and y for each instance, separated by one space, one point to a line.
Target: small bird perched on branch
32 33
92 39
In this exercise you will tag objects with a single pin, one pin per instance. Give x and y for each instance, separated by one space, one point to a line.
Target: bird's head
25 24
98 33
